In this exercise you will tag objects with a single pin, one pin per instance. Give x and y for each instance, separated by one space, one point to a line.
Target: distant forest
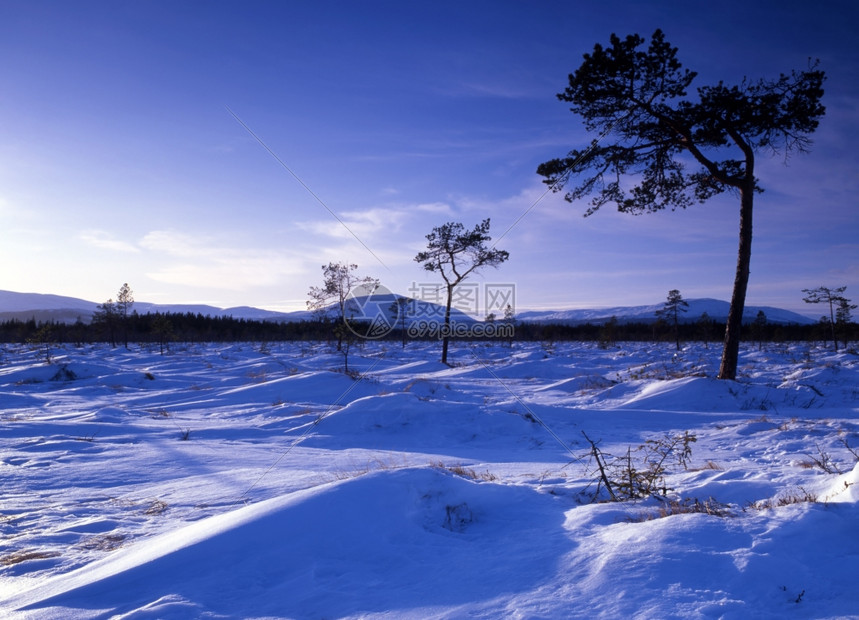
163 328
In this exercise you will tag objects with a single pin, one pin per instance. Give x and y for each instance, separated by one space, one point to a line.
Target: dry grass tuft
798 496
25 556
104 542
376 464
685 506
465 472
156 507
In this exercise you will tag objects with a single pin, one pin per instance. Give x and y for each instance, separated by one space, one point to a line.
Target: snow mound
330 388
845 489
685 394
388 420
471 536
579 384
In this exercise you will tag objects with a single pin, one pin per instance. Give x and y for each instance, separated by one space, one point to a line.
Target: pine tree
106 316
834 297
124 301
331 301
455 253
670 311
759 327
635 100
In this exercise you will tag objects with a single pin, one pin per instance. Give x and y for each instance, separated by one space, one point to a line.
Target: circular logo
371 311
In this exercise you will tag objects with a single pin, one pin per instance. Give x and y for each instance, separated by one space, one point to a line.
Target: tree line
162 329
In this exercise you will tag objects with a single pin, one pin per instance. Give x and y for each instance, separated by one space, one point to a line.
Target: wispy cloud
376 223
104 240
434 207
499 89
208 262
177 243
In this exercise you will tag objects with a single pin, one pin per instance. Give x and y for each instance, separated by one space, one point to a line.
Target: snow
239 480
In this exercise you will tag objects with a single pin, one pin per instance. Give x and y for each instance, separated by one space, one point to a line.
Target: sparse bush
26 555
640 472
43 336
156 507
685 506
709 465
375 464
797 496
103 542
850 449
824 461
465 472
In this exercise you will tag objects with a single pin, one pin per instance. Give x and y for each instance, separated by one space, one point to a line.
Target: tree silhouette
106 316
670 311
331 300
759 327
162 329
455 253
124 301
636 99
835 298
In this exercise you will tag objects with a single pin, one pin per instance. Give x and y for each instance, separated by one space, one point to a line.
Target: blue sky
121 160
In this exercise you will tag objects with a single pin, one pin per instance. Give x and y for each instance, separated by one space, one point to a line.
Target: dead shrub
25 556
796 496
465 472
685 506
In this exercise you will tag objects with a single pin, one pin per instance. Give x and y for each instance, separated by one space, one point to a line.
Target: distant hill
24 306
716 309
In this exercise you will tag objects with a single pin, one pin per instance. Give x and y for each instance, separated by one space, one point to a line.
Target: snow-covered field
236 481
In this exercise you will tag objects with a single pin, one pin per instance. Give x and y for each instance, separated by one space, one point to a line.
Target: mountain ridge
716 309
48 307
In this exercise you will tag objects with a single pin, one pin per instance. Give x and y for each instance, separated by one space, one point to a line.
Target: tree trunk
731 351
832 325
446 335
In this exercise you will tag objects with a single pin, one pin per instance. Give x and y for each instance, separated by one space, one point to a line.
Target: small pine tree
339 280
674 305
759 327
608 333
400 309
162 328
510 320
106 316
705 324
834 297
844 317
339 284
124 301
